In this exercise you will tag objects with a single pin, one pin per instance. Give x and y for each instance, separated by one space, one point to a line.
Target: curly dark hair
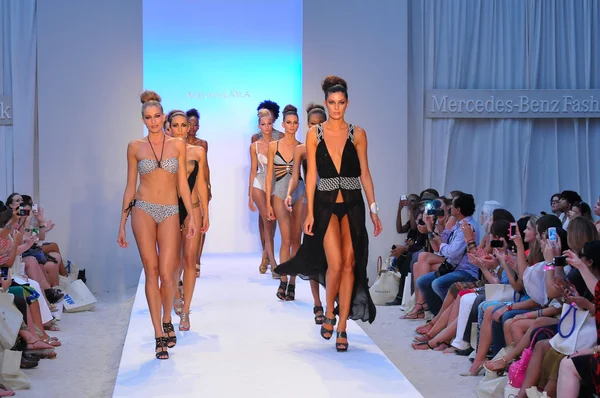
271 106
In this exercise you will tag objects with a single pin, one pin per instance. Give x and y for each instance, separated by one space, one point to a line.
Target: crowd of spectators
518 295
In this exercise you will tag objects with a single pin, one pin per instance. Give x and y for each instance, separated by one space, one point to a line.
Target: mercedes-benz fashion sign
512 104
5 111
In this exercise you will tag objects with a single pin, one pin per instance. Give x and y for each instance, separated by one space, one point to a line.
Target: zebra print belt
335 183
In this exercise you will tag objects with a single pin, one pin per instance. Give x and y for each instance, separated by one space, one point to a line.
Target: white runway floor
244 342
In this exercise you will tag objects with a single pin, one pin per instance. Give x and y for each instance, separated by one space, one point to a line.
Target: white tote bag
10 321
78 297
10 362
576 331
499 292
386 286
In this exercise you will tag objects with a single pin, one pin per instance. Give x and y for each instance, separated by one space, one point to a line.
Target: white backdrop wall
499 44
368 46
90 78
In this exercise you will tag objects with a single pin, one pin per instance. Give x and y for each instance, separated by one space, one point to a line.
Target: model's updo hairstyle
174 113
315 109
334 84
193 113
150 98
264 113
290 110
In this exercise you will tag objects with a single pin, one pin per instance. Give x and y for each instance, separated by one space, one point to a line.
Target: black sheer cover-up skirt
310 261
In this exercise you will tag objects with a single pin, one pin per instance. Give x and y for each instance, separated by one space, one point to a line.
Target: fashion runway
245 342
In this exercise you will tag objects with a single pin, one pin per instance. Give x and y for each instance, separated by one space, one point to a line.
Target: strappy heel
341 347
161 344
185 318
281 290
319 318
291 292
171 340
178 306
327 321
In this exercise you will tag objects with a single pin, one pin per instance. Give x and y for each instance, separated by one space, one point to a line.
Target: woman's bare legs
53 249
443 334
523 342
145 231
34 271
485 338
427 262
347 279
442 319
190 254
169 247
51 271
284 220
332 244
260 200
533 373
569 380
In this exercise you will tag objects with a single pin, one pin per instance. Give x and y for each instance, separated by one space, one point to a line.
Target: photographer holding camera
405 254
456 266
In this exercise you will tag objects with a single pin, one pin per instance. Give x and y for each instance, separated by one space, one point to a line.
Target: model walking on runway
272 107
195 167
288 219
335 246
194 121
315 115
154 214
259 151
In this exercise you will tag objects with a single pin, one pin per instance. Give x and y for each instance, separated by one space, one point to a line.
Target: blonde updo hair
264 113
150 98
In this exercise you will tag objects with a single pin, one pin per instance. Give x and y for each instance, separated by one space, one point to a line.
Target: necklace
161 151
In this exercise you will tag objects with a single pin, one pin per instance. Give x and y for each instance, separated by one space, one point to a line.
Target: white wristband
374 208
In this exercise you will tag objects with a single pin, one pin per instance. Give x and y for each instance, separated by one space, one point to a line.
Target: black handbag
445 268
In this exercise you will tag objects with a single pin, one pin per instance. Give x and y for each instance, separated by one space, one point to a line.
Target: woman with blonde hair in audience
160 161
195 171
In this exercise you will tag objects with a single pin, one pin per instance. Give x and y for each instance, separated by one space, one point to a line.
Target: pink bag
516 371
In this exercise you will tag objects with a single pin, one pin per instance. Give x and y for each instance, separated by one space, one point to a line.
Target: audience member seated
566 201
34 287
414 243
450 245
426 260
530 259
580 209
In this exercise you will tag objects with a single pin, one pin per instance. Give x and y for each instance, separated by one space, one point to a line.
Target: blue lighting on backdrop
223 58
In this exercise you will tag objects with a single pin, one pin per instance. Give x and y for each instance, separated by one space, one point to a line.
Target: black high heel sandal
291 292
161 344
171 340
281 290
319 318
327 321
341 347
